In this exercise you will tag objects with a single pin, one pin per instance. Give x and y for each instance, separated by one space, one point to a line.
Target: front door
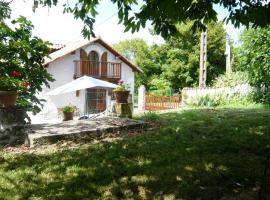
96 100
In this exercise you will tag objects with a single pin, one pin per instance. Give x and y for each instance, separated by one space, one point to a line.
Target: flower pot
68 116
121 96
8 98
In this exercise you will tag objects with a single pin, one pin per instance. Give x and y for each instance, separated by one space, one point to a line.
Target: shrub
231 79
203 101
221 99
261 96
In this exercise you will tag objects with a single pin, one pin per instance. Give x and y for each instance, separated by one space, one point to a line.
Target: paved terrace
82 130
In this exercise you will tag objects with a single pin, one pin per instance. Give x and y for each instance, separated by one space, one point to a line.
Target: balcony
101 70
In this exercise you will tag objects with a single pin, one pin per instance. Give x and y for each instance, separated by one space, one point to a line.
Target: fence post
170 94
141 98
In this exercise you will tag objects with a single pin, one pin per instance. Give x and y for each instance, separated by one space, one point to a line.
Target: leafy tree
4 10
139 52
24 54
181 64
164 15
159 86
176 62
254 58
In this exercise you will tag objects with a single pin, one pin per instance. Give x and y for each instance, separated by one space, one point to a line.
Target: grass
195 154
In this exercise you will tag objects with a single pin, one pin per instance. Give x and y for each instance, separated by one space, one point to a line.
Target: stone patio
81 130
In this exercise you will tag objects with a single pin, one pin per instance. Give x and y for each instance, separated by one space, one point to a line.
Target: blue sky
51 24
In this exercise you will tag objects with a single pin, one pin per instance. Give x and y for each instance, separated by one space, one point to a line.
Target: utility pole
228 55
203 59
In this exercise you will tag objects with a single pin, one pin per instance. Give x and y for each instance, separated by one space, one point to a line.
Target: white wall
62 70
127 76
188 93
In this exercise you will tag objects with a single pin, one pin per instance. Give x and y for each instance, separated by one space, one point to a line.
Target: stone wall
12 136
12 126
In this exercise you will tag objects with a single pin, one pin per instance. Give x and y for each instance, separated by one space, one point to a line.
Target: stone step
81 130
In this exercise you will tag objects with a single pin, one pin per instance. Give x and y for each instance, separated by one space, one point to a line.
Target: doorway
96 100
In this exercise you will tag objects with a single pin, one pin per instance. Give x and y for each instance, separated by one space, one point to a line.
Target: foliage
181 61
221 99
68 109
121 87
164 15
196 154
23 53
150 117
231 79
159 86
261 96
12 84
204 101
254 56
175 63
140 53
254 60
4 10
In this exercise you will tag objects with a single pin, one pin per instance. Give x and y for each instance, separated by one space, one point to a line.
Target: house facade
93 58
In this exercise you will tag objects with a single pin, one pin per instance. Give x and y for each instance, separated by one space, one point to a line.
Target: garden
216 148
192 154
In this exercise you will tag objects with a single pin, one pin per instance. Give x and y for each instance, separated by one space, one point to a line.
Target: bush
261 96
221 99
159 86
203 101
231 79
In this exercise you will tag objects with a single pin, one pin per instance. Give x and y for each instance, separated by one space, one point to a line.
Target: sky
54 26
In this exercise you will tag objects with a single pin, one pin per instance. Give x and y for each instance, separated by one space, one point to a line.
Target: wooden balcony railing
97 69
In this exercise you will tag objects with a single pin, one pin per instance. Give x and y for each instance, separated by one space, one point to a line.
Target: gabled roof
77 45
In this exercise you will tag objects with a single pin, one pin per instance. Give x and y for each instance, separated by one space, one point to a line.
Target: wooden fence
153 102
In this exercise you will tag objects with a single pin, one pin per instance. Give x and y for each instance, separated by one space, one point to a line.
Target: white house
94 58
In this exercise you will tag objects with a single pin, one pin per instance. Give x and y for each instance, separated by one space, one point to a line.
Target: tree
254 58
181 63
164 15
139 52
23 54
175 63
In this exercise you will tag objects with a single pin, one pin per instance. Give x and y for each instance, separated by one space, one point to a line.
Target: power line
107 19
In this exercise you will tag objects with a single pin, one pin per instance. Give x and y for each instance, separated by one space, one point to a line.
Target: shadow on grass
196 154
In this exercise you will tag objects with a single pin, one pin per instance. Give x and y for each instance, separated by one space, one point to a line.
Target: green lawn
196 154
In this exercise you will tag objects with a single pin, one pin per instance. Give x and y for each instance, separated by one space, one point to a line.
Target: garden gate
154 102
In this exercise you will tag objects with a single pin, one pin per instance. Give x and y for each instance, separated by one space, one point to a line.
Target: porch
98 69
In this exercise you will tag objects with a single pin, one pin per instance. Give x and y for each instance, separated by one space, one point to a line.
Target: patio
82 130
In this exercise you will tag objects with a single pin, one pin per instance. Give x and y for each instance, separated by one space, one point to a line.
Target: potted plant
121 92
10 87
68 112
